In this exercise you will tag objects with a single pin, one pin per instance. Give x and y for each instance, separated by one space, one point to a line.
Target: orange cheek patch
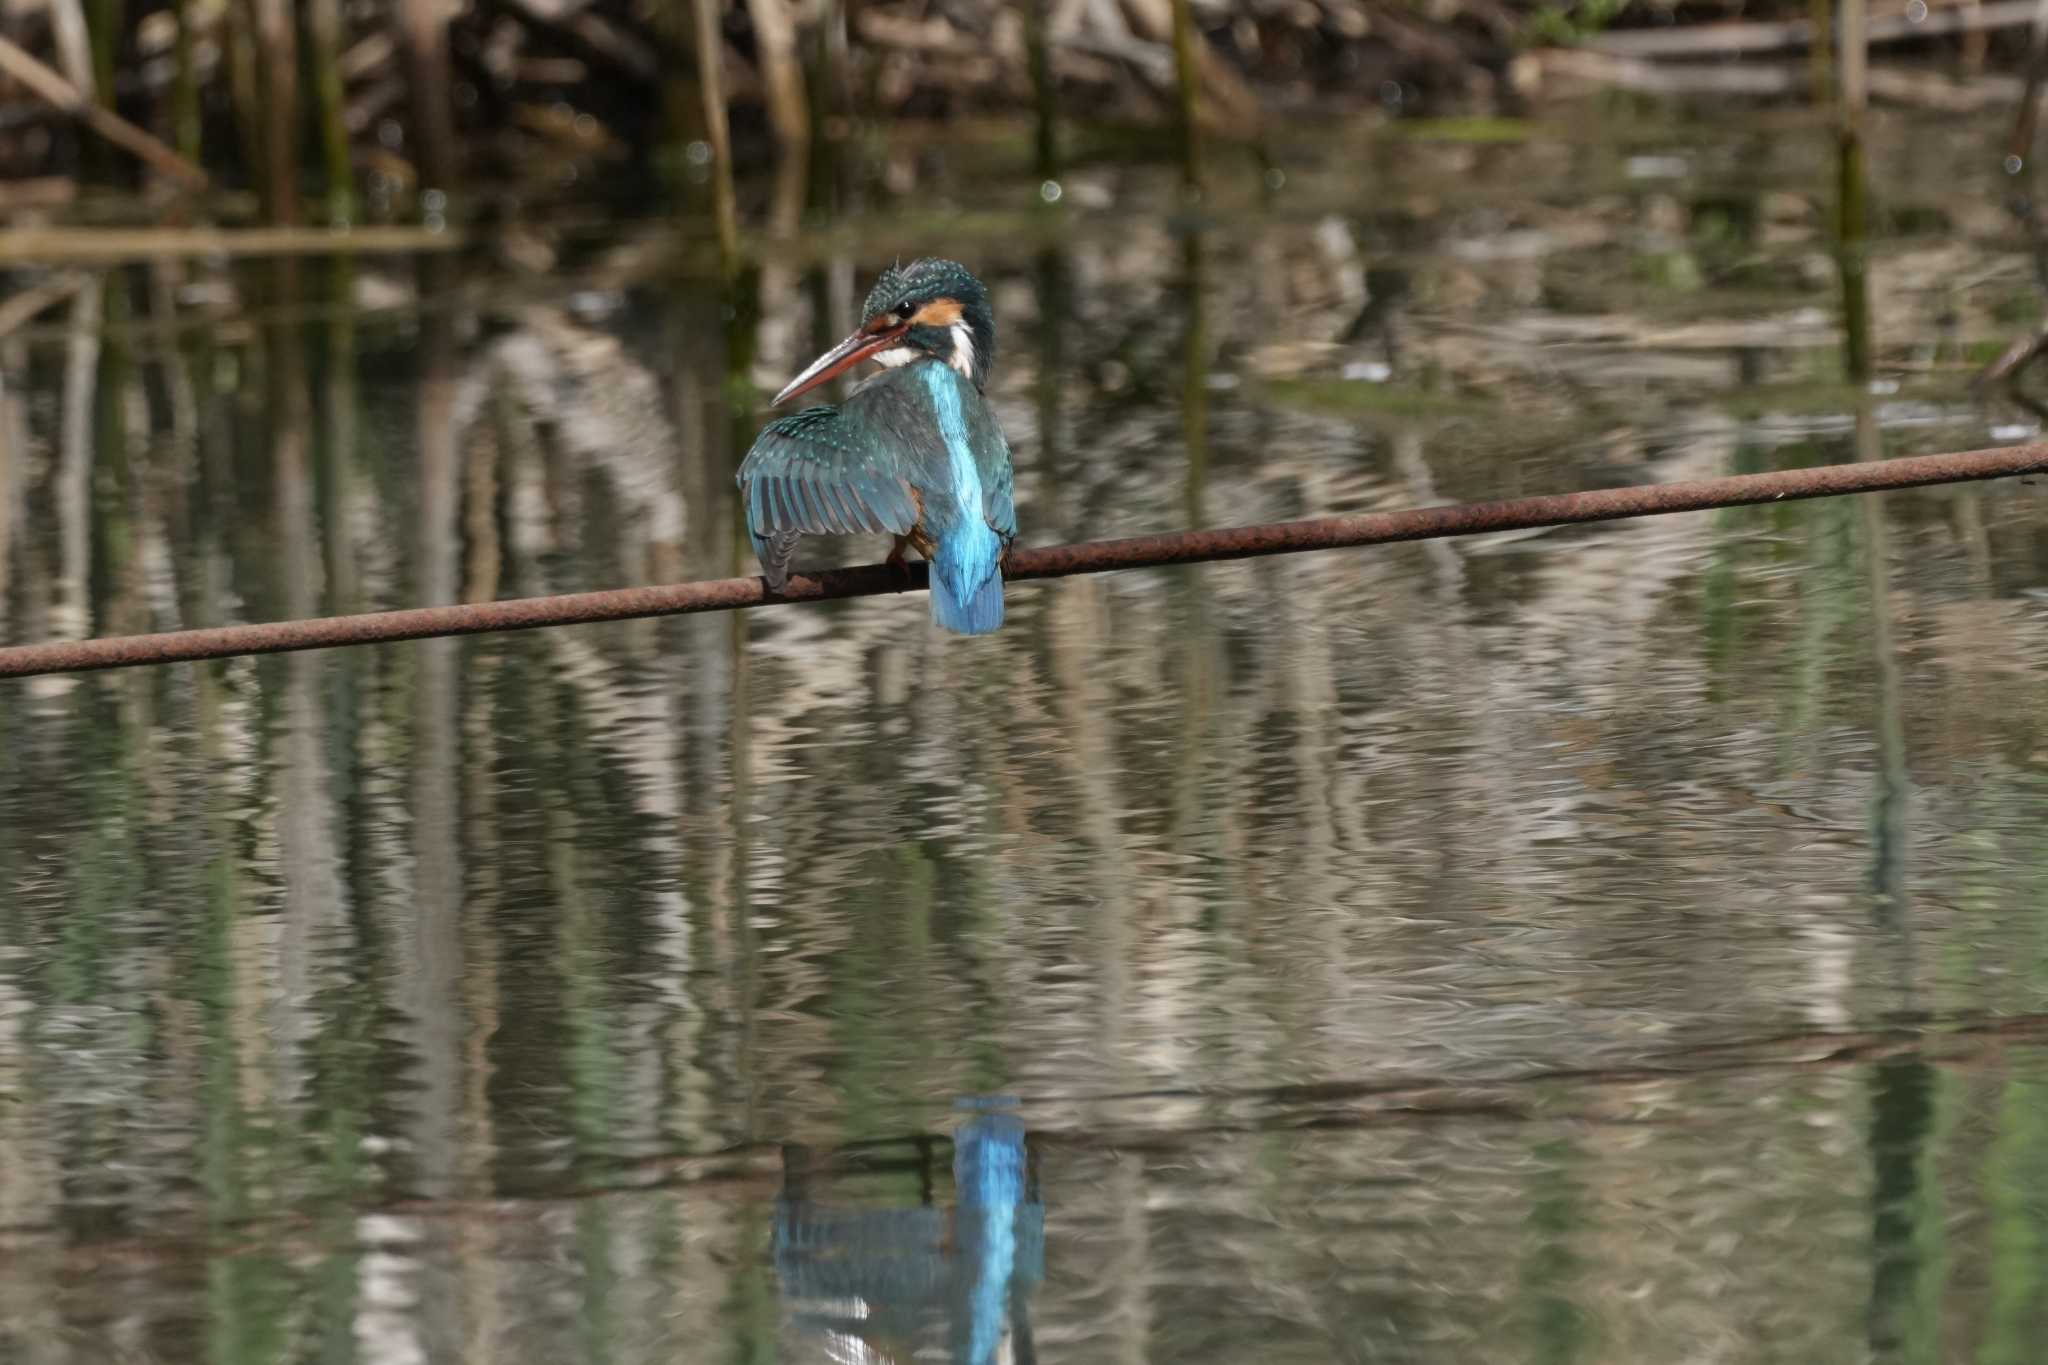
939 313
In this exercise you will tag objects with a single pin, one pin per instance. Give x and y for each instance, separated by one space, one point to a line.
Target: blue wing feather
807 475
1002 512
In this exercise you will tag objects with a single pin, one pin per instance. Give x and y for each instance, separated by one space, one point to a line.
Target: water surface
1609 944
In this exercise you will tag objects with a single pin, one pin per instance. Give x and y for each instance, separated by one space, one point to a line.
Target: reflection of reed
288 406
13 469
1901 1319
695 682
1194 382
486 1285
780 337
1079 638
738 946
31 1188
1889 832
69 615
340 477
427 924
317 930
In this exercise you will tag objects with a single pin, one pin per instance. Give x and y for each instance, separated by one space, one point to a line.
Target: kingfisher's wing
816 473
998 502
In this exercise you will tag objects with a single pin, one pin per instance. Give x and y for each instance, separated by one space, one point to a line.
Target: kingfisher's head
927 308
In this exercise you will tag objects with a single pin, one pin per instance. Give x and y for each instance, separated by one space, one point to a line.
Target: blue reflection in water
883 1277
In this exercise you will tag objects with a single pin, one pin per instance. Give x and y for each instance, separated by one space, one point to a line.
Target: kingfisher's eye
906 311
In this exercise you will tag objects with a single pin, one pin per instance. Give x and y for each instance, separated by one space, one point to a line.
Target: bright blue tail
967 580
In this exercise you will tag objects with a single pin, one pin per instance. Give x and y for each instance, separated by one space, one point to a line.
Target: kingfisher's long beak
841 358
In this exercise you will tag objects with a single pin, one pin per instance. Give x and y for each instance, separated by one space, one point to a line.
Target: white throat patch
894 356
963 350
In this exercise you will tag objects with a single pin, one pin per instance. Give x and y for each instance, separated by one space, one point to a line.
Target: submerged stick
79 245
1792 34
50 87
1058 561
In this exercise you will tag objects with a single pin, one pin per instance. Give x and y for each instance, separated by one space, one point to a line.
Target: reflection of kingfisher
994 1227
916 451
874 1281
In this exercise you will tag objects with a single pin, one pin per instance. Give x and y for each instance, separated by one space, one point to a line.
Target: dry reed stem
102 245
53 89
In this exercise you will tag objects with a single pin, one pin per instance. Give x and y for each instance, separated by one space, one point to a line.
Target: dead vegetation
361 110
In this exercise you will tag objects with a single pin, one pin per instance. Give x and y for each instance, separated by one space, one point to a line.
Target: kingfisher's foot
896 560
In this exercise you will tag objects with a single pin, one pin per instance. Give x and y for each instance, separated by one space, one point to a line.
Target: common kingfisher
915 451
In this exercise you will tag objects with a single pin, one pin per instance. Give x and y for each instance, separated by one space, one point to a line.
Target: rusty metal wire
1058 561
